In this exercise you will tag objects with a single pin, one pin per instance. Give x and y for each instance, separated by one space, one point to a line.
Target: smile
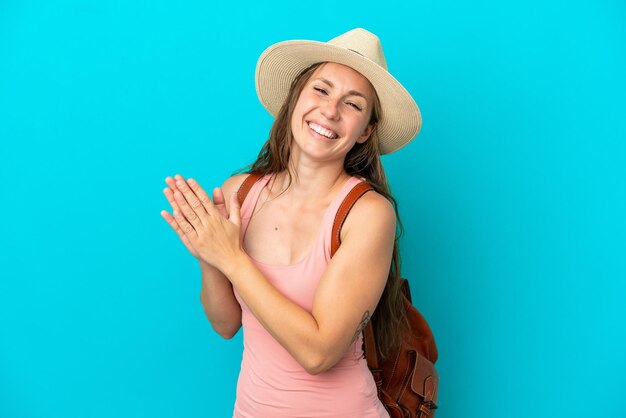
322 131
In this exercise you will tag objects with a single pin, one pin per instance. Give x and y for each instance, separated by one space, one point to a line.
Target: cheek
303 106
360 124
305 101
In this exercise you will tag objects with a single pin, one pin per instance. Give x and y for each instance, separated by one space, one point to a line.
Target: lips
323 130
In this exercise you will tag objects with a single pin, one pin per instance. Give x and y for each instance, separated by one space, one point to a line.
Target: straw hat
359 49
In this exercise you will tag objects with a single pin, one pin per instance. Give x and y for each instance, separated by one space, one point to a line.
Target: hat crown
364 43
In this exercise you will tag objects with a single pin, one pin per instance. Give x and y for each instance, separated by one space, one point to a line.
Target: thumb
218 201
235 210
218 196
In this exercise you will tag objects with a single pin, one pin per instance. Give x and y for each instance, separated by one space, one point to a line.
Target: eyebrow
351 92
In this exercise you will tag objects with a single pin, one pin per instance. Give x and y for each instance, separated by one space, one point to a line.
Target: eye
354 105
321 90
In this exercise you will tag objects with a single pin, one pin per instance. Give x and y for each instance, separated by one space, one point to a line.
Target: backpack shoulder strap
245 187
342 213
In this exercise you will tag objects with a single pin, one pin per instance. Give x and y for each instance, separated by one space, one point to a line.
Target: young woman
267 265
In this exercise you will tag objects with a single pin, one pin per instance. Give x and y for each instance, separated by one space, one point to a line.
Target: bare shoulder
233 183
373 212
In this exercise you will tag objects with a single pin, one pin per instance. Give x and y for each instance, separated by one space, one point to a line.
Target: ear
366 133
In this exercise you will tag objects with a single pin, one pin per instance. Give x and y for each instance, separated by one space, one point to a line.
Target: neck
310 181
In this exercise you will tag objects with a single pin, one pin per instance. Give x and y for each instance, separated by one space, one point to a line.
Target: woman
267 265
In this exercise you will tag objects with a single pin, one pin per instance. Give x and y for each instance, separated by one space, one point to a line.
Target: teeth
322 131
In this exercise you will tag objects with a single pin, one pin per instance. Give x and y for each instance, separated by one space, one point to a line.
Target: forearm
219 302
291 325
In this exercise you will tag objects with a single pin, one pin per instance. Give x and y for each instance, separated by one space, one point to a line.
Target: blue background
513 196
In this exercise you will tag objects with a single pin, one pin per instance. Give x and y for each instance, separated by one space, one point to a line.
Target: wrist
237 263
204 265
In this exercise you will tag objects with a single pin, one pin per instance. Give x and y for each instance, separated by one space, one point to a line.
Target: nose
330 109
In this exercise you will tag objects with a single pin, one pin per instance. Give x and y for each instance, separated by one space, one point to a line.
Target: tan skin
284 227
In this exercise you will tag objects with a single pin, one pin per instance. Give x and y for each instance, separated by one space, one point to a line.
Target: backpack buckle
427 407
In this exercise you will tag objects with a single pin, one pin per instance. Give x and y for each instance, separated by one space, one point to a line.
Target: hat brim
279 65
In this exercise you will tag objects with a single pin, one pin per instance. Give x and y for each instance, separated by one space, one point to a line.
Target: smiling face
332 113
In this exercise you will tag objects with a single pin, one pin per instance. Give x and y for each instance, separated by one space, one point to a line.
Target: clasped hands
210 233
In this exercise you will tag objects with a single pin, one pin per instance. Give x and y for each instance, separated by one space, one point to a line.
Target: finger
235 213
207 204
181 213
170 197
171 183
169 194
192 207
174 224
172 221
176 208
169 191
178 177
201 194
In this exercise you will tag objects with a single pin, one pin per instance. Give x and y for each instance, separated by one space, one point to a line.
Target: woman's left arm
346 297
347 294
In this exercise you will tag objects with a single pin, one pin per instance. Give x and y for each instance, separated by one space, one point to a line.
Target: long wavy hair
363 160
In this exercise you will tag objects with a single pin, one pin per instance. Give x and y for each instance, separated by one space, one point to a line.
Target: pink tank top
271 383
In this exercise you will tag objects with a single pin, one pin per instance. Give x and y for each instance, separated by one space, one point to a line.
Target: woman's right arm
216 294
218 301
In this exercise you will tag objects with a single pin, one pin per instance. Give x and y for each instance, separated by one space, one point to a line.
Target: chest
281 234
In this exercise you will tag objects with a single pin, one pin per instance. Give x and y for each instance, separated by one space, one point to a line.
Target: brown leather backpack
407 381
